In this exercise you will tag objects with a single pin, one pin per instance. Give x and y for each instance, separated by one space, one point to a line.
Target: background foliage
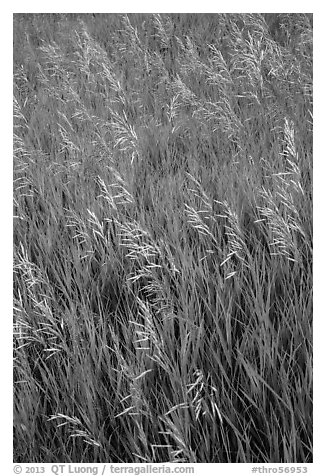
163 238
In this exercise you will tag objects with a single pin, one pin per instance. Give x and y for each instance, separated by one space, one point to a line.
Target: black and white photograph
163 238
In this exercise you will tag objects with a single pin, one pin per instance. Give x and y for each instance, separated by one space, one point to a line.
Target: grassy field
163 238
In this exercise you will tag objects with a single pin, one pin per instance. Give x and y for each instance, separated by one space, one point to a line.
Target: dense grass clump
163 238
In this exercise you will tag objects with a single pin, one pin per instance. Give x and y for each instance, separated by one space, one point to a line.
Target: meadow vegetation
163 238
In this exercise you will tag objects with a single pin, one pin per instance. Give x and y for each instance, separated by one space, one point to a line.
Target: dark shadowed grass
163 238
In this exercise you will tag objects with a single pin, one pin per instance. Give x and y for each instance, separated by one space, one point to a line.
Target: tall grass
163 238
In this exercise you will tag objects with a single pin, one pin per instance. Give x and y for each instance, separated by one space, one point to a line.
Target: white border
168 6
319 196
